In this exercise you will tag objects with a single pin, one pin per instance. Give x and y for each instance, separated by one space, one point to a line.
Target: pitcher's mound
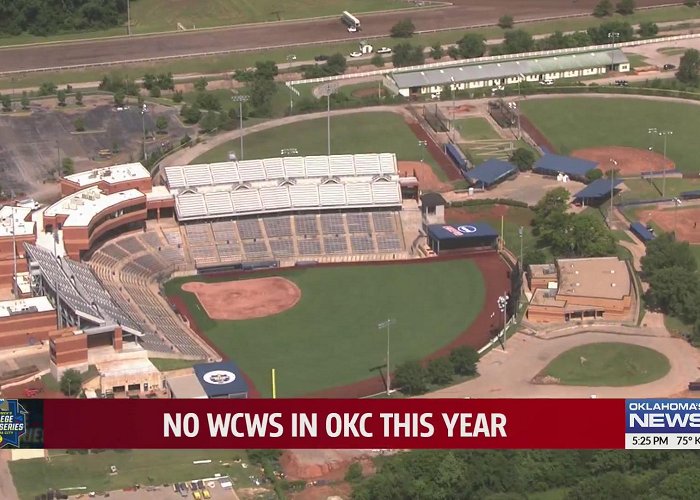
245 299
630 161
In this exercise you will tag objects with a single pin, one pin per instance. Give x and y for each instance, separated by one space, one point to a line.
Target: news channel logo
13 422
663 416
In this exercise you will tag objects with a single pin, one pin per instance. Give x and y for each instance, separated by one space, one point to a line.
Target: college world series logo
219 377
13 422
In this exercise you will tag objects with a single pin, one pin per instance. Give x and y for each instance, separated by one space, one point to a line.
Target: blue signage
13 422
667 416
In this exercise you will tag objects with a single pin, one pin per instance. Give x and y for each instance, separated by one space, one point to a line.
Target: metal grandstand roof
599 188
488 71
293 167
490 172
552 164
80 289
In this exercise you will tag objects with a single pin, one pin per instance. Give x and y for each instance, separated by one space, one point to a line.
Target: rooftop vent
612 271
576 272
578 284
613 285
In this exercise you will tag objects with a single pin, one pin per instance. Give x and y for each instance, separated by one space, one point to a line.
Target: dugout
490 173
222 380
642 232
553 165
597 192
448 238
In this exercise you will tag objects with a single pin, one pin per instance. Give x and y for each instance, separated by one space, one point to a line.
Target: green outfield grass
380 132
636 60
169 364
145 467
330 338
476 129
575 123
608 364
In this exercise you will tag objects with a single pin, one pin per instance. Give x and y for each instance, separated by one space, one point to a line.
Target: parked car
622 83
321 58
547 82
352 29
356 54
669 66
384 50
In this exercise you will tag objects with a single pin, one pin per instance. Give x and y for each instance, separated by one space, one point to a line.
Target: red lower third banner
334 424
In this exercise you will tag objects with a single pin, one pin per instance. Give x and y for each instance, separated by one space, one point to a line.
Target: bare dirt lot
684 221
630 161
461 13
425 175
31 143
245 299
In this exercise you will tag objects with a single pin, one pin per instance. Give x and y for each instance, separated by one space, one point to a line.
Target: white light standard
614 35
503 307
514 106
422 145
387 324
677 203
240 99
14 253
329 89
664 134
143 127
612 188
520 234
289 151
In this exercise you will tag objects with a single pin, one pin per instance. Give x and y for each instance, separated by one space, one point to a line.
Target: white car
547 82
355 54
28 203
352 29
384 50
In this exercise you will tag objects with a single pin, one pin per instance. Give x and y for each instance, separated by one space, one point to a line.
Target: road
463 13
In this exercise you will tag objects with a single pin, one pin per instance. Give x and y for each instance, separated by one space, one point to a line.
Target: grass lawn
609 364
575 123
476 129
144 467
169 364
636 60
553 494
330 337
676 326
246 59
671 51
381 132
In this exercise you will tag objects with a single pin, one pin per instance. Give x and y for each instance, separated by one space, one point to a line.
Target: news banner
351 424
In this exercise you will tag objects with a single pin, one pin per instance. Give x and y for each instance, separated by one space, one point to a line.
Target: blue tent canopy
551 164
490 172
462 231
221 380
599 188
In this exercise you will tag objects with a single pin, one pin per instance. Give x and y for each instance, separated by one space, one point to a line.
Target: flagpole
274 385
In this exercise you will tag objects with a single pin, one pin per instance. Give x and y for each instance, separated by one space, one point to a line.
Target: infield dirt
630 161
684 222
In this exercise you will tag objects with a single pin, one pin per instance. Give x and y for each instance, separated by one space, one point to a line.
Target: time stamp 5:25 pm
662 441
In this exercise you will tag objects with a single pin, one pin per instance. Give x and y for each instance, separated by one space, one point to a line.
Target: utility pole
520 234
454 104
664 134
387 325
612 190
240 99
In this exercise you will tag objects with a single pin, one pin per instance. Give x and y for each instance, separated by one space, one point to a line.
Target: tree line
514 475
48 17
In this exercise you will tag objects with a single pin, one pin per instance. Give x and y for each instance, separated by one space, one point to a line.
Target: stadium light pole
240 99
329 89
612 189
422 145
664 134
614 35
143 128
387 325
454 104
520 234
677 203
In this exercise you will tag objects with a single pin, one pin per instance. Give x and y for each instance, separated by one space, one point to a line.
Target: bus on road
350 21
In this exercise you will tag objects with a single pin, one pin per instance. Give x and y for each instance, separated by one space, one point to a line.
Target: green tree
190 114
178 97
625 7
79 124
593 175
67 166
25 101
403 29
517 41
377 60
162 125
440 371
648 29
243 75
437 52
453 53
61 97
207 100
674 291
690 3
261 93
506 22
689 67
604 8
603 33
78 98
6 102
266 69
119 98
553 202
47 88
405 54
210 121
155 91
606 486
354 473
524 158
71 382
471 45
682 484
336 64
200 84
464 360
411 378
664 252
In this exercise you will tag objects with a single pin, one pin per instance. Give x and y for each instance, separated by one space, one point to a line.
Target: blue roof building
597 190
221 380
490 173
575 168
468 236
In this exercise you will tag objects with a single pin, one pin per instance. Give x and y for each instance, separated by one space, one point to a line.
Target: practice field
374 132
145 467
572 123
684 221
608 364
330 337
